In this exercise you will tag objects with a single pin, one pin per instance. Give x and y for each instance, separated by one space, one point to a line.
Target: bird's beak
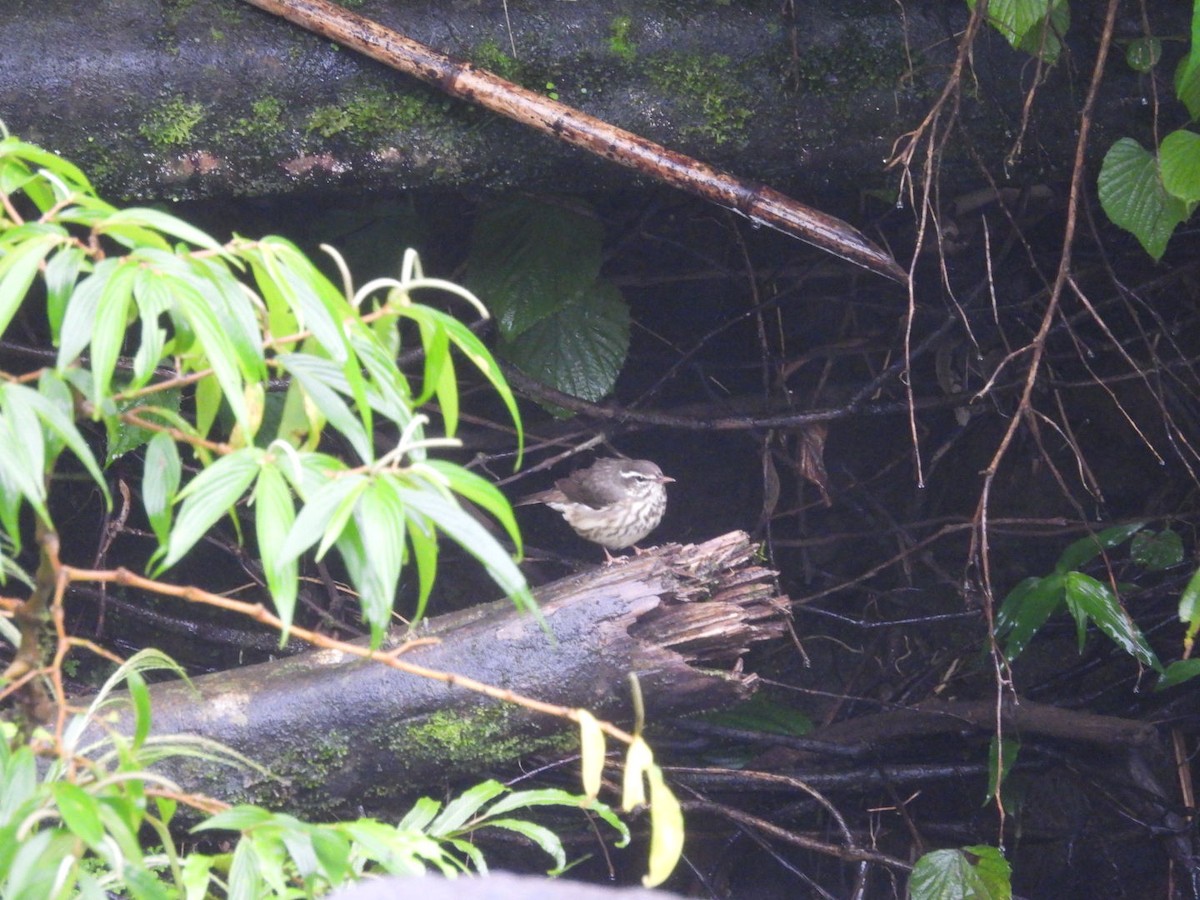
665 479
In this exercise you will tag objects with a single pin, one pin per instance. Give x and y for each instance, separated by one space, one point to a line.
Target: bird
613 502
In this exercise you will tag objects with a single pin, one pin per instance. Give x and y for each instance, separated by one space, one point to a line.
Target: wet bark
338 734
212 97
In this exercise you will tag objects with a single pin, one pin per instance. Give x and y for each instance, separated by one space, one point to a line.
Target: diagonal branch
759 203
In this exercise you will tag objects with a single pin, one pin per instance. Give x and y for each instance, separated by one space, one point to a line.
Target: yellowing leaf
666 830
591 753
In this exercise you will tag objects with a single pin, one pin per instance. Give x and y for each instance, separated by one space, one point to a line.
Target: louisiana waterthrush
613 502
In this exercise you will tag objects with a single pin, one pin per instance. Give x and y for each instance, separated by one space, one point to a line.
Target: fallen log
342 735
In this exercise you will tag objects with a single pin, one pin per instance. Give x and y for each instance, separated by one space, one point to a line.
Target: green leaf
80 319
19 266
1143 54
1033 26
140 697
580 348
1002 754
761 713
62 272
1189 609
382 521
112 319
323 382
474 538
1084 550
242 817
219 349
125 437
978 873
1026 609
423 812
481 492
282 272
209 496
527 256
540 835
56 422
1187 76
154 220
1178 672
463 807
23 462
1134 198
1102 606
274 515
475 351
323 516
1156 550
1179 157
79 811
423 541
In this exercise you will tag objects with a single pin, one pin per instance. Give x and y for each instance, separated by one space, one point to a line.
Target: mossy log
186 98
340 734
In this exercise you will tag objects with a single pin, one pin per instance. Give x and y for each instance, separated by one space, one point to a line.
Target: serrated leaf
23 462
979 873
209 496
282 272
1033 26
239 818
1179 157
1187 76
1134 198
581 348
219 349
1102 606
62 431
527 257
423 541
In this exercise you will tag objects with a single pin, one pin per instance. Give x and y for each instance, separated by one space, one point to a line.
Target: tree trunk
340 734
